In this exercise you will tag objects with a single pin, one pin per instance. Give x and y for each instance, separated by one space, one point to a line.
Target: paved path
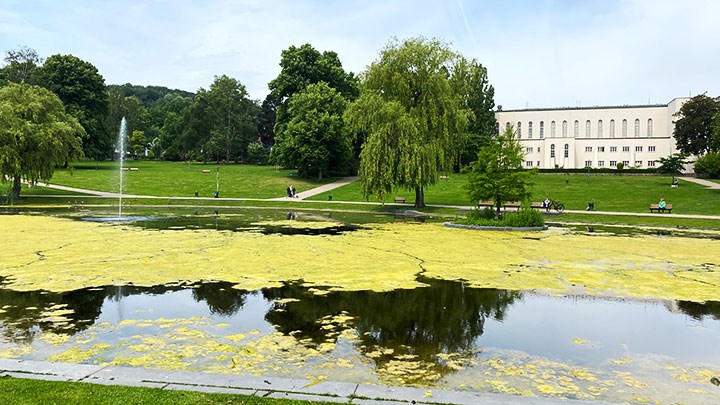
706 183
347 180
270 387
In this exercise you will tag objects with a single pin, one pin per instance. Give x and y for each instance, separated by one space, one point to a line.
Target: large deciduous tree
479 95
694 127
497 174
21 66
673 164
82 89
231 114
413 116
314 139
36 134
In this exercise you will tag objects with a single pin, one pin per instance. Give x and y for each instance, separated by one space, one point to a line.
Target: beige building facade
596 137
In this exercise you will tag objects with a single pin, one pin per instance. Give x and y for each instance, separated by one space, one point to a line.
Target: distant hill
148 95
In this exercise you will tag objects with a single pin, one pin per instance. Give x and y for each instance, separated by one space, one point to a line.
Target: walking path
706 183
347 180
270 387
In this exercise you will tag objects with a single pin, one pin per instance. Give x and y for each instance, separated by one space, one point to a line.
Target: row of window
600 163
590 149
588 129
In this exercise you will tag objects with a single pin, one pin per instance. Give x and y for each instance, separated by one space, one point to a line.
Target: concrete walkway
318 190
270 387
706 183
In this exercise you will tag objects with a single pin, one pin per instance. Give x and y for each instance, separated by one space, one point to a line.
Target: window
651 163
600 128
567 149
528 150
588 163
612 128
538 149
601 149
528 163
587 129
613 163
538 163
626 163
497 128
542 129
637 128
649 128
588 149
564 129
576 129
624 129
552 129
507 125
601 163
552 150
613 149
638 149
519 130
626 149
651 149
530 130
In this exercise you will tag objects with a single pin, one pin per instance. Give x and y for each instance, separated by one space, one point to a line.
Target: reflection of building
594 137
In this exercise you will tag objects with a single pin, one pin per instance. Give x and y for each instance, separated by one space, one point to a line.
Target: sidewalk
706 183
269 387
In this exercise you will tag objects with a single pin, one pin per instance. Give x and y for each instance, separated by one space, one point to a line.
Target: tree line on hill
418 110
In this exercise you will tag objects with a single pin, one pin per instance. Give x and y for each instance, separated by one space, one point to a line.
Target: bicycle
556 205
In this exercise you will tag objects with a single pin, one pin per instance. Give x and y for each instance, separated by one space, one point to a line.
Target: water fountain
121 150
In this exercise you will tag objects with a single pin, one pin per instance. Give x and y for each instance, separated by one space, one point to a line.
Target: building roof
585 108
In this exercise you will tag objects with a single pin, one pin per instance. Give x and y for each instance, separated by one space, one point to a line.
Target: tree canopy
82 89
497 174
36 134
479 97
694 127
314 140
21 66
413 116
673 164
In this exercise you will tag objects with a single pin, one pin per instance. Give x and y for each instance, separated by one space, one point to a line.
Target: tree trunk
15 193
498 205
419 197
320 174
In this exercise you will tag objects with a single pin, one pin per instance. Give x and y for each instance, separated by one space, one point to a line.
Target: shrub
256 153
620 166
526 217
708 165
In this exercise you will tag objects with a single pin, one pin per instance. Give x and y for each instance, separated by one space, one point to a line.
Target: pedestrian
289 191
293 192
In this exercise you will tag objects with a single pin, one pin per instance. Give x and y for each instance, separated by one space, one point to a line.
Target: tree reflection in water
429 327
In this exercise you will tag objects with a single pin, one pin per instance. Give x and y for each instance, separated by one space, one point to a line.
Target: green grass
183 179
25 391
609 193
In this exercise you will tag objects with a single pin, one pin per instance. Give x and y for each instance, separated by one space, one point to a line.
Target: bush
256 153
526 217
708 165
620 166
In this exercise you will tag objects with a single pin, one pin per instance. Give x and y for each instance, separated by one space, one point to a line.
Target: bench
134 169
656 207
511 204
538 204
206 171
400 199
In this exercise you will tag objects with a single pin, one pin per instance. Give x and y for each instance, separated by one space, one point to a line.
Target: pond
407 305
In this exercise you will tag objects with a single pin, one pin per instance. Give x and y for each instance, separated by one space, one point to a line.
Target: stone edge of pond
270 387
495 228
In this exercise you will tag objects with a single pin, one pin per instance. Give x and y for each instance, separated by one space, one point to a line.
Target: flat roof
600 107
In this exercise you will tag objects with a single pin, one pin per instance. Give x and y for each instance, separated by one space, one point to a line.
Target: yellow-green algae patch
60 255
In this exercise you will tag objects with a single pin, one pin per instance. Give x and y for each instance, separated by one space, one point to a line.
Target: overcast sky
539 53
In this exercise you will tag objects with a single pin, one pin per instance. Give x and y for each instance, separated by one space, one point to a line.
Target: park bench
538 204
134 169
206 171
400 199
511 204
656 207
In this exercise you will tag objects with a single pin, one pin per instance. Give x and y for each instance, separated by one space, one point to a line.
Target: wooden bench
511 204
206 171
134 169
400 199
656 207
538 205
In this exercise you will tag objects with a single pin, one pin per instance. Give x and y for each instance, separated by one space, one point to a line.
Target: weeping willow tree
411 111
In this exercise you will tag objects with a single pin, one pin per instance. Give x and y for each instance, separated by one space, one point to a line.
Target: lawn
27 391
183 179
608 192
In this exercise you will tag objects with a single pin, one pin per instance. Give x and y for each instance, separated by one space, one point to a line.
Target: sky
539 53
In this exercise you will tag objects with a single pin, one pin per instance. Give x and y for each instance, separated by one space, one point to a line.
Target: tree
479 99
694 127
673 164
301 67
36 134
412 115
314 140
708 165
119 106
497 174
138 142
21 66
266 120
230 112
82 89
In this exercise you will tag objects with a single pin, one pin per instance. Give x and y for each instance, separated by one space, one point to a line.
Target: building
594 137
